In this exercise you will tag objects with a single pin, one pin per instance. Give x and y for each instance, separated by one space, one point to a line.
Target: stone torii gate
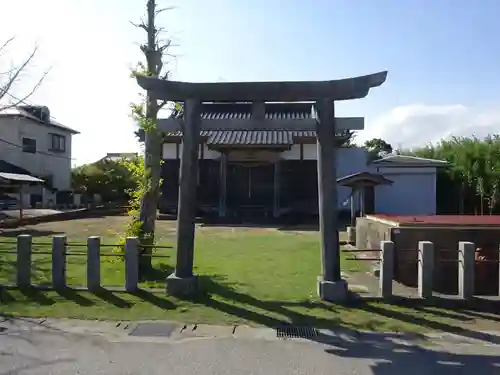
331 286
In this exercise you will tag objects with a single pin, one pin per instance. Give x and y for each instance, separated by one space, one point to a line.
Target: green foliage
349 136
109 178
377 148
136 169
474 174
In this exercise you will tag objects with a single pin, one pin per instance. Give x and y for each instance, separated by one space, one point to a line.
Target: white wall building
31 140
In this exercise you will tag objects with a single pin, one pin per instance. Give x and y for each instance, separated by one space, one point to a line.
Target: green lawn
250 276
266 263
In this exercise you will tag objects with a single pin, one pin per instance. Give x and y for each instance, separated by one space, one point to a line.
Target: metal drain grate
291 332
154 330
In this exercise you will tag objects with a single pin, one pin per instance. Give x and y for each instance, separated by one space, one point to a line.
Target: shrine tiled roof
249 137
243 111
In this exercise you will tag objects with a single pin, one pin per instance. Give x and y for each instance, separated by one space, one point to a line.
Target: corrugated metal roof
19 177
408 160
252 137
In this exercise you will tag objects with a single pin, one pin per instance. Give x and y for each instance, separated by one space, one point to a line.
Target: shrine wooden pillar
276 188
223 184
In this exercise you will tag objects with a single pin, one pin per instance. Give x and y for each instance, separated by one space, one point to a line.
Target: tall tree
378 147
347 138
154 49
11 76
112 179
473 177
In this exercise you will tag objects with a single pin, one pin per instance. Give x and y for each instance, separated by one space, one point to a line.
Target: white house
413 191
31 140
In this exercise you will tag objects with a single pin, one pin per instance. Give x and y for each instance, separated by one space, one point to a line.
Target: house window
57 143
29 145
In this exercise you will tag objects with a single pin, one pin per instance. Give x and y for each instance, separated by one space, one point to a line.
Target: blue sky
443 58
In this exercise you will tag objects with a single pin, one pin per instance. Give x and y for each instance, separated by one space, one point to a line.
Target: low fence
59 246
91 250
466 261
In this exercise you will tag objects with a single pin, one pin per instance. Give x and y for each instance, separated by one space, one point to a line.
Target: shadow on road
389 354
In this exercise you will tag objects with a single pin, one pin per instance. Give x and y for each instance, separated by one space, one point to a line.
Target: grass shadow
482 315
445 314
158 273
161 302
219 294
6 297
215 291
36 295
111 298
426 323
32 294
74 295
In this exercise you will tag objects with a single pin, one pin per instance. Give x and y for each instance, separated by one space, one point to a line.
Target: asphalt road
25 349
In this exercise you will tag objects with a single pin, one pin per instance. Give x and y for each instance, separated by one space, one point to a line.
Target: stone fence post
77 200
59 262
94 263
466 266
386 268
131 264
23 262
425 268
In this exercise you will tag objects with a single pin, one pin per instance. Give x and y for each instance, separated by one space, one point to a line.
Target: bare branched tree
155 50
12 76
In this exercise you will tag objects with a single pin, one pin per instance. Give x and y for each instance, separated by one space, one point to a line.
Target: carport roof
15 177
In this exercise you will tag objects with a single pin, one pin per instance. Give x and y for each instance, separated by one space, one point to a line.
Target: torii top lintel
341 89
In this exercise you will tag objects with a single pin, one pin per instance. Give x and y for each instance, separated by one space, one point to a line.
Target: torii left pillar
183 281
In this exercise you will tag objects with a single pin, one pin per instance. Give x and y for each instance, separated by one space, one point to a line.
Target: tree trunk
149 201
482 204
152 150
462 199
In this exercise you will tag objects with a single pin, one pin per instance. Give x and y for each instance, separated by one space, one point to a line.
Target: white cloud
419 124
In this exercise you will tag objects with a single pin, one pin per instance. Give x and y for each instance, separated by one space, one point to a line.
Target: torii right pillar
331 286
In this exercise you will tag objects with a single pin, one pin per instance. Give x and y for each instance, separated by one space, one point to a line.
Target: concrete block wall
445 239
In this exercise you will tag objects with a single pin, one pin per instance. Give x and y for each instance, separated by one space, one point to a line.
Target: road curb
145 329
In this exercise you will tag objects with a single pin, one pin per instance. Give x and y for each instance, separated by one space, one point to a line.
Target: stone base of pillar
181 286
332 291
351 235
